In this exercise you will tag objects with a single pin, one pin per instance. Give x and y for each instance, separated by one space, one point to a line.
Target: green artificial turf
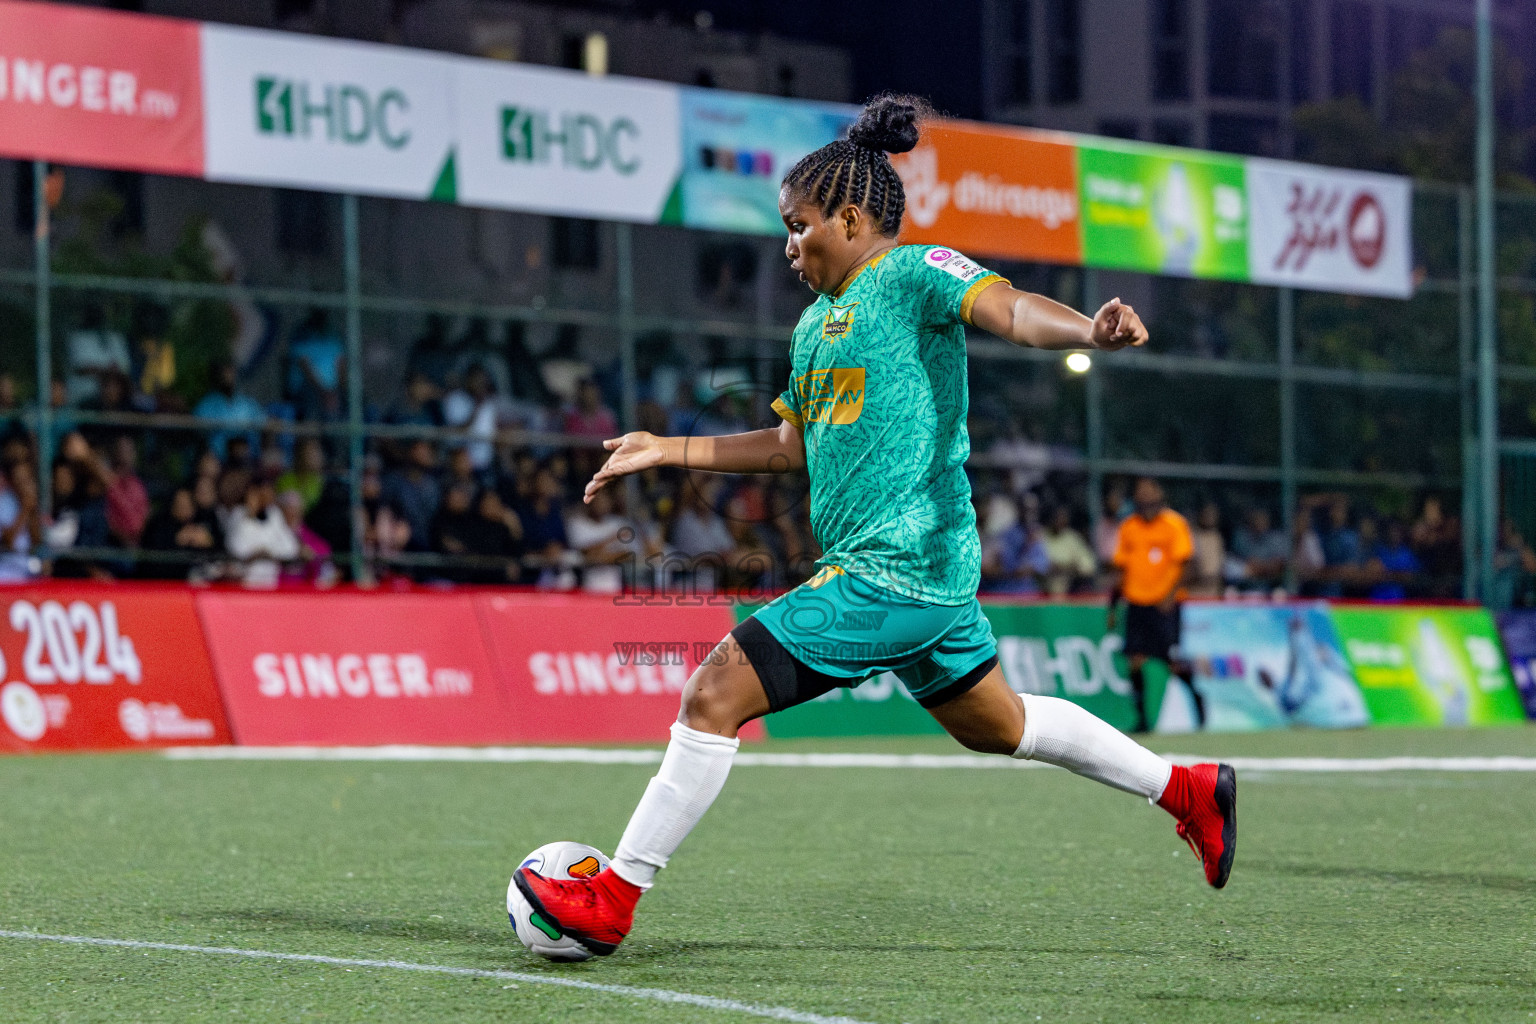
884 895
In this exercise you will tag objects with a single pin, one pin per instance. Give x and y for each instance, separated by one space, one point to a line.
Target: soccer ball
552 860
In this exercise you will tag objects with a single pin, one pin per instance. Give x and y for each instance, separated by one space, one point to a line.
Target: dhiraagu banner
1163 211
1428 665
548 140
736 150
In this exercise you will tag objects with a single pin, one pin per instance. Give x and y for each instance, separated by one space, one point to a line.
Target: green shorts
838 629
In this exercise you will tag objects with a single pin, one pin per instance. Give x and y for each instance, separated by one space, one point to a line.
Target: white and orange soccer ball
552 860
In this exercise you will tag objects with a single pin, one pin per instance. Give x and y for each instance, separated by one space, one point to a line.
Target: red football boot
597 912
1204 799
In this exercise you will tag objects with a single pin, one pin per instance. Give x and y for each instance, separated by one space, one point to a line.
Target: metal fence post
42 266
1466 370
1487 304
1285 329
352 283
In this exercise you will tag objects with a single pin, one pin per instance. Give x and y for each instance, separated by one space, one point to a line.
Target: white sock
1059 732
692 773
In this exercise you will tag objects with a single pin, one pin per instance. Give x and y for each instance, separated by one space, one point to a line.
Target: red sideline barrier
582 669
96 667
350 668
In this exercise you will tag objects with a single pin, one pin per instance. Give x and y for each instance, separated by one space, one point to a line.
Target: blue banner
1518 630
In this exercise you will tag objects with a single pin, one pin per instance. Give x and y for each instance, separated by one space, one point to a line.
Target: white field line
586 755
660 995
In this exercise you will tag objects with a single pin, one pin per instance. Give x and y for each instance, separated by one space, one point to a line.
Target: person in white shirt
258 534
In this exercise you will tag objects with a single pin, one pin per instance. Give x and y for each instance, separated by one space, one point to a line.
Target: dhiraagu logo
582 141
337 112
832 396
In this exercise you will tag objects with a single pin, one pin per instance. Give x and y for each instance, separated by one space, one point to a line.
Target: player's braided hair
857 170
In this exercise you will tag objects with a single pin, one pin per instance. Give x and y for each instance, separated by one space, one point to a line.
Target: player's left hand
1116 326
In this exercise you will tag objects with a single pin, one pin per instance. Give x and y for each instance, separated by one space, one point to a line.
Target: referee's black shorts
1151 632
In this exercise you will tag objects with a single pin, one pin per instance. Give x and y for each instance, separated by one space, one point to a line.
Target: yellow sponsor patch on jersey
832 396
838 322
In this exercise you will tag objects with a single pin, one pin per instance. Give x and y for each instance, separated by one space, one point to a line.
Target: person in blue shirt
227 403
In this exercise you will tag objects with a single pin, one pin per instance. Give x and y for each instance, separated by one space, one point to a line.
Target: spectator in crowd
20 522
700 533
182 528
1436 539
1393 565
313 562
1210 558
317 364
419 405
432 355
413 488
589 417
1108 533
1307 557
1342 551
93 351
1015 561
331 519
386 531
543 521
127 497
80 481
307 476
453 529
607 542
257 535
1514 567
472 407
1069 560
1262 549
231 406
478 526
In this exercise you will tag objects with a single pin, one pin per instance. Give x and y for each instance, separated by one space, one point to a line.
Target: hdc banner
349 668
584 669
100 88
1338 231
102 667
285 109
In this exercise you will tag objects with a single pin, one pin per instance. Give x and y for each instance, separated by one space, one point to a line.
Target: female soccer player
875 411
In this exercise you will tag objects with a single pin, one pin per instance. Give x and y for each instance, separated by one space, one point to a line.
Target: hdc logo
585 142
348 114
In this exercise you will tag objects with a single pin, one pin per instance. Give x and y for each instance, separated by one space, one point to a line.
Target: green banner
1428 666
1164 211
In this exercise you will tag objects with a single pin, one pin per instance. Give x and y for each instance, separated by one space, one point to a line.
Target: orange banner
990 191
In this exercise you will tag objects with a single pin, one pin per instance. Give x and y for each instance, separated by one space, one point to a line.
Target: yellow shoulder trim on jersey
789 415
982 284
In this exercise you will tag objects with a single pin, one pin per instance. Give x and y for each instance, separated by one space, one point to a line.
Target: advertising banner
1518 628
548 140
347 668
1315 227
100 668
583 669
100 88
1164 211
991 191
1427 665
736 150
286 109
1268 666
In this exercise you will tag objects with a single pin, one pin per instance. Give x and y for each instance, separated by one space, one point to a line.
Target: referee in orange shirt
1152 558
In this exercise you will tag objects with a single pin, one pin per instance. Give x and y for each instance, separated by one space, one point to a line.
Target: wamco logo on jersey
585 142
344 113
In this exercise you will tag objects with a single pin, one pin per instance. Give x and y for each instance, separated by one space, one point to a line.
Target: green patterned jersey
878 390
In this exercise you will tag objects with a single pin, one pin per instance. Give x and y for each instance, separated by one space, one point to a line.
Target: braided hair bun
889 123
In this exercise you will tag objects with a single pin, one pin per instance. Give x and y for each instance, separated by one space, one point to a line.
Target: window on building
1170 50
573 243
1353 53
128 187
1064 46
1119 128
1241 133
1017 19
23 197
1172 132
303 222
1243 44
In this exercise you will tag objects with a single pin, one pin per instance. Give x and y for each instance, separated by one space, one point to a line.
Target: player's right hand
635 452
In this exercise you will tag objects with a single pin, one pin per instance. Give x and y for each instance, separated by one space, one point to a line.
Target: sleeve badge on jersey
838 322
954 264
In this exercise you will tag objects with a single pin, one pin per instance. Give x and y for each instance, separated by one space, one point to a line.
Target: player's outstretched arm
775 450
1025 318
